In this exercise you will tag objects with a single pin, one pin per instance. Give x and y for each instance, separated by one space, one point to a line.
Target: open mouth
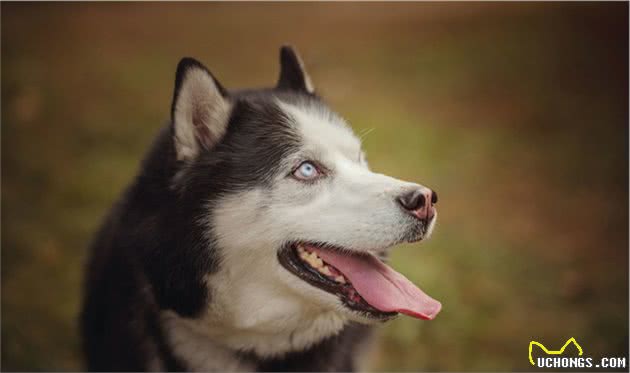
362 281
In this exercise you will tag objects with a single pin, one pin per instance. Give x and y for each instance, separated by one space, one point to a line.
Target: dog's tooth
325 270
318 262
314 261
340 279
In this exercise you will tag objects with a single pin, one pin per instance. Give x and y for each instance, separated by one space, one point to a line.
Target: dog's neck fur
193 340
198 351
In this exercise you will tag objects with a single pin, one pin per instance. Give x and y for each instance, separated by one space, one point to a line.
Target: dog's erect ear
200 109
293 76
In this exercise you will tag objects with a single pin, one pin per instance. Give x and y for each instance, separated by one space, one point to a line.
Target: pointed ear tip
187 65
287 51
188 62
187 59
286 48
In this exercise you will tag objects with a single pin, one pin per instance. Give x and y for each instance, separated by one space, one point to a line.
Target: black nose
415 201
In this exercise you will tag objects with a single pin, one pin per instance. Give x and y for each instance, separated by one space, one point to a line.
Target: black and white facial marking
269 169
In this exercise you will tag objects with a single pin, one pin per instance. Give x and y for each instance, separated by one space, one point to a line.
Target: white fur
256 304
200 353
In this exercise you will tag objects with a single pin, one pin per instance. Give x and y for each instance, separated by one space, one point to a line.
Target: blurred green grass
515 113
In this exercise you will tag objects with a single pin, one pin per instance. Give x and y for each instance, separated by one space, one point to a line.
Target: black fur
150 254
292 74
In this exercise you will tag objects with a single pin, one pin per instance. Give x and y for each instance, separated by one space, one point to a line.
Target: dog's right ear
200 109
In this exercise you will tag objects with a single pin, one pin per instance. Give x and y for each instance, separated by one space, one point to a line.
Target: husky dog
252 239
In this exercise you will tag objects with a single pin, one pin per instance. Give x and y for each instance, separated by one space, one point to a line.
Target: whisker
366 132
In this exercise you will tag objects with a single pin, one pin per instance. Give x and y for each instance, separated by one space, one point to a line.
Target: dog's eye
306 171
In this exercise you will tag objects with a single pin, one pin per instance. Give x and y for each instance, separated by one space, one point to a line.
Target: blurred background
516 113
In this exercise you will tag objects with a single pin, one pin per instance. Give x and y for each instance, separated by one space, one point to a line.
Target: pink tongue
381 286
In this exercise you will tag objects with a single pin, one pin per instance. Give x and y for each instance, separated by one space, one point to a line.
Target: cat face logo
553 352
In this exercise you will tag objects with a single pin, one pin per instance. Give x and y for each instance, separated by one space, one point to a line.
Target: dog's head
299 222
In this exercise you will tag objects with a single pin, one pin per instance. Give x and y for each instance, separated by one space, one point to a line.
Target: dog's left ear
200 109
293 76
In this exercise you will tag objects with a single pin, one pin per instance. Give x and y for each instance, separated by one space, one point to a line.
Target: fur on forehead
317 126
320 127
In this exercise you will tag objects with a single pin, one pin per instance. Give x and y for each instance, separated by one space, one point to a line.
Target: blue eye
306 171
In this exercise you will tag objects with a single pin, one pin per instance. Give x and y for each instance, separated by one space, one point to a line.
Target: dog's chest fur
198 352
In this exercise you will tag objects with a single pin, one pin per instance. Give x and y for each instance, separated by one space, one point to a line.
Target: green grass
515 113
